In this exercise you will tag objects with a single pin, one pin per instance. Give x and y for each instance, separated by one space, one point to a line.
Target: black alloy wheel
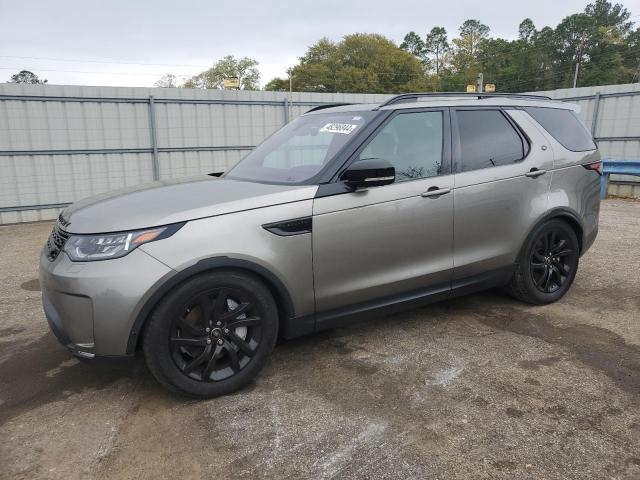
553 261
216 334
547 264
212 334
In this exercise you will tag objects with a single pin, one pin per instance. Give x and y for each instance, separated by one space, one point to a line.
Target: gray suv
347 210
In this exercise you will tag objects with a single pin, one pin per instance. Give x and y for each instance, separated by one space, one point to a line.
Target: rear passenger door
500 159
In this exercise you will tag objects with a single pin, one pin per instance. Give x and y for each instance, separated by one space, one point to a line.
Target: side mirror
370 172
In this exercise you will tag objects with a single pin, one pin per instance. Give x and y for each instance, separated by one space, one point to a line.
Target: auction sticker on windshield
345 128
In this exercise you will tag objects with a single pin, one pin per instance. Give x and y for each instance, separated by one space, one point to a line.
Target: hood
172 201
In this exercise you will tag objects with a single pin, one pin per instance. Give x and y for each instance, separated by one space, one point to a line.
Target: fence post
154 138
286 110
596 111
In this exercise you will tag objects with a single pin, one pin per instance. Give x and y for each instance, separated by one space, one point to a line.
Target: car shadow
40 372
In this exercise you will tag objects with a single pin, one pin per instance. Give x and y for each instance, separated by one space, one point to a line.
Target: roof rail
327 105
408 97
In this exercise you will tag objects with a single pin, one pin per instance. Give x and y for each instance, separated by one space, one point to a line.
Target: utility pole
575 76
290 96
480 82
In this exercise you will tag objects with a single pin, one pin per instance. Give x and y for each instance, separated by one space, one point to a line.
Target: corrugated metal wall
62 143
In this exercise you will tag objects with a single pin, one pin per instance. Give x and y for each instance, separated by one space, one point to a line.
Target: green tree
526 30
358 63
320 52
467 45
277 85
413 44
436 46
608 48
472 32
245 69
499 61
573 38
632 56
466 48
606 14
543 54
25 76
601 40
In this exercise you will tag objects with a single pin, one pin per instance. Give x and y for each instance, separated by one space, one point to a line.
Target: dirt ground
479 387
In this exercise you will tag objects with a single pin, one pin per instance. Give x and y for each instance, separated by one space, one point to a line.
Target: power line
113 62
106 62
89 72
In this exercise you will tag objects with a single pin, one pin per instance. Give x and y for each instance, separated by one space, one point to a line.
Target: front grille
61 221
56 242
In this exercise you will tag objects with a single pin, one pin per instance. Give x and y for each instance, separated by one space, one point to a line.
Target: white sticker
355 119
345 128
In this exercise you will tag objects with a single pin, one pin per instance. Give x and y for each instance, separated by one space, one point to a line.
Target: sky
135 42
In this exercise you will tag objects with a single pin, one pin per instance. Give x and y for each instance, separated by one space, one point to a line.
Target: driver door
390 243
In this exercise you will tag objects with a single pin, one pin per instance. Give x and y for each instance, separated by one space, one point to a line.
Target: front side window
298 151
487 139
412 143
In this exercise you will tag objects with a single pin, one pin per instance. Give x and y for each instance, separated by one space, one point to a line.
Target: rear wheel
548 264
212 335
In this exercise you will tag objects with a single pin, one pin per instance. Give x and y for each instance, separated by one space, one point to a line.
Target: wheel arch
559 213
277 288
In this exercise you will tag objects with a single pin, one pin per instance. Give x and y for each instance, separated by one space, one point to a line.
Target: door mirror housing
370 172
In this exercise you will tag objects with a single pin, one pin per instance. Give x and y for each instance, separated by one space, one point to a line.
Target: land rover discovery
345 211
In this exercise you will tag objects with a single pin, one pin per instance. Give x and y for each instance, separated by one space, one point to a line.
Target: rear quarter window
564 126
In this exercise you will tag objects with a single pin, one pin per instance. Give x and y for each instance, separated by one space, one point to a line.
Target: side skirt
477 283
384 306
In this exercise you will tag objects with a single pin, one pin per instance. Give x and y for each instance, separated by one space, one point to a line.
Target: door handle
535 173
434 192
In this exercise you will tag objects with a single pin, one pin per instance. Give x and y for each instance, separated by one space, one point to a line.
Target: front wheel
212 334
548 264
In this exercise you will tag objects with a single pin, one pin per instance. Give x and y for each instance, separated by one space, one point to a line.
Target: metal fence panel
184 164
60 143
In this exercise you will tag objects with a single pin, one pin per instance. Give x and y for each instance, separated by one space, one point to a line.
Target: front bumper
91 306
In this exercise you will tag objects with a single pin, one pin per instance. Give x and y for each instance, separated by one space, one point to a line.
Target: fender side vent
296 226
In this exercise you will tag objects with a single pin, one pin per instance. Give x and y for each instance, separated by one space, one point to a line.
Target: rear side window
487 139
564 126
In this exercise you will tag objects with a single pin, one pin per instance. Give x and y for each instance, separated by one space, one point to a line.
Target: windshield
301 149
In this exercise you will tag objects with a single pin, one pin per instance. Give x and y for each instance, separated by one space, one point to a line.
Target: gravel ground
479 387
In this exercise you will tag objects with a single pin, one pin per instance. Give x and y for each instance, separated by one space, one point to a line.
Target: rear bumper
91 307
588 240
591 218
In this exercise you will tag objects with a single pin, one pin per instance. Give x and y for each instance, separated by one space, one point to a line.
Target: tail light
596 167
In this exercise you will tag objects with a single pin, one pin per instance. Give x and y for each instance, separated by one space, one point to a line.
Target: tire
212 334
547 265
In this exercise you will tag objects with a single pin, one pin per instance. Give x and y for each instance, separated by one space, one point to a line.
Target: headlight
105 246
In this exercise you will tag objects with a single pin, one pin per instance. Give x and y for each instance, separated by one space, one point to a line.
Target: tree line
601 43
599 46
